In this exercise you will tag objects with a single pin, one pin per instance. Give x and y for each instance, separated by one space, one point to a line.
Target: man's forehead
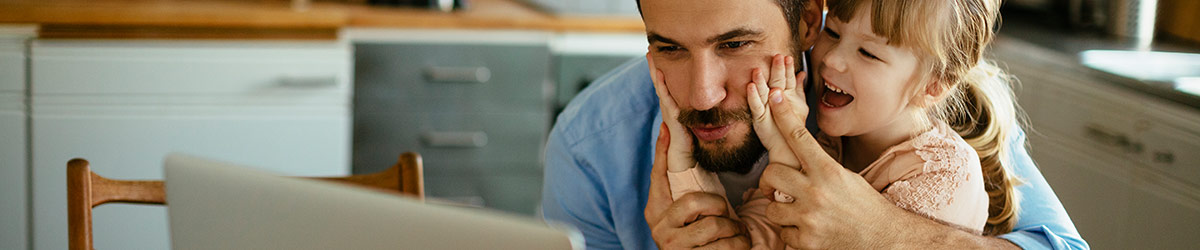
699 20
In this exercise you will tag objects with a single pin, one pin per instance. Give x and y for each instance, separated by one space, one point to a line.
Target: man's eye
832 34
868 54
734 45
668 48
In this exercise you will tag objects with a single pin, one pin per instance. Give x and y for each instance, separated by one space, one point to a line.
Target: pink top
935 174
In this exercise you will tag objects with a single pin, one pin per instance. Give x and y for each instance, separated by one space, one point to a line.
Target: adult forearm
913 231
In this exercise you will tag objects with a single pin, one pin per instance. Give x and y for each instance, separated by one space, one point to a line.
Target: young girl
905 100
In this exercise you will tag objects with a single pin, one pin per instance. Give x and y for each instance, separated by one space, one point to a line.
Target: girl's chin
829 129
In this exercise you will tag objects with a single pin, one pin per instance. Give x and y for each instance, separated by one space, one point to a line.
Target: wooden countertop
269 19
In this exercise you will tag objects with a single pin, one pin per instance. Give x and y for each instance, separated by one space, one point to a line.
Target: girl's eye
868 54
734 45
832 34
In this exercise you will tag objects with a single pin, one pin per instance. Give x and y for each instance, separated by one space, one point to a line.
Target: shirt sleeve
946 195
692 180
574 195
1042 222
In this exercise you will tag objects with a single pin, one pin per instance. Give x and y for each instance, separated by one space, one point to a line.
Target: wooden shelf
229 19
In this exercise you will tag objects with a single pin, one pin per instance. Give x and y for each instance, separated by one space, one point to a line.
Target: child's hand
783 83
679 151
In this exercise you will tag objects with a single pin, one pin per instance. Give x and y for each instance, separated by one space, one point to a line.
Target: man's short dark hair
793 10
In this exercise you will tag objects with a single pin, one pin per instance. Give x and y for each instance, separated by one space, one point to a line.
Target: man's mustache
714 116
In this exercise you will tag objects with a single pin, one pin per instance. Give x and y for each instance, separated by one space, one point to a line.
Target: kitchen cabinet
14 167
477 111
1123 163
580 58
123 105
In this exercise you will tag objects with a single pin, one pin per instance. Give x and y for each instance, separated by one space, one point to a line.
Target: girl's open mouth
835 97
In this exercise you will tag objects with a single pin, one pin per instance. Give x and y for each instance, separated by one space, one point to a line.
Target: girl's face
862 82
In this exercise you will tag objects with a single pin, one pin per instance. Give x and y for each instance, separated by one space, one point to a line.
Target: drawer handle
308 81
1164 157
458 74
470 139
1113 138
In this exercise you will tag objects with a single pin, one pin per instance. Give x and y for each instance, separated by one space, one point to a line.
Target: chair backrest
86 189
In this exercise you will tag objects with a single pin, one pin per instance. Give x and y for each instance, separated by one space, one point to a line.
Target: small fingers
791 73
666 102
779 73
800 82
758 108
801 77
760 82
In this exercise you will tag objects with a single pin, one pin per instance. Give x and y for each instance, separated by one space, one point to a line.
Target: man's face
707 50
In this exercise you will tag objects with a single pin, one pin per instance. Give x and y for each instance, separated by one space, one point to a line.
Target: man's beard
740 158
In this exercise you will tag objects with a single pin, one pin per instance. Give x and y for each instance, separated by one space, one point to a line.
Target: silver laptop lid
214 205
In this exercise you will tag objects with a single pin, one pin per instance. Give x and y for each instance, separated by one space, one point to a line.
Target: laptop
216 205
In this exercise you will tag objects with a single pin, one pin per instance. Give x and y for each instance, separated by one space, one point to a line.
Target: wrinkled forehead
694 21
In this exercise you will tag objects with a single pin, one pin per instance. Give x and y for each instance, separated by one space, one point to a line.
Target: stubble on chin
719 156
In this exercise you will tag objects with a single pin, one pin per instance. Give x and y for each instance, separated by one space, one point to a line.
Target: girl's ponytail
984 114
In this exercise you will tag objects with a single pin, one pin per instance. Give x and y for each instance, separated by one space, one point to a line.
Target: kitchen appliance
1133 19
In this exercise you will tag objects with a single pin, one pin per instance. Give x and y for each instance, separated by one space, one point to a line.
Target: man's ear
812 17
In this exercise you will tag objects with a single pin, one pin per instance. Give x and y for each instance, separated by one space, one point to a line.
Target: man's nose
708 82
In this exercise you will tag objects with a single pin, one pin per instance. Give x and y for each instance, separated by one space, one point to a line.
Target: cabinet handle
308 81
468 139
458 74
1113 138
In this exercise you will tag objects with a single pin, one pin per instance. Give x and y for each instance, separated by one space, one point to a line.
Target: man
601 150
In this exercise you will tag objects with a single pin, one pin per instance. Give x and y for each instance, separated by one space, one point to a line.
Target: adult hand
695 221
833 207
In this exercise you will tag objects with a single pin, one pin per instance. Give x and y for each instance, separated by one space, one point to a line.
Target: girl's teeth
835 89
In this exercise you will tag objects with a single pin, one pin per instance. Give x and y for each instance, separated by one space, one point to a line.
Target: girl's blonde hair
950 37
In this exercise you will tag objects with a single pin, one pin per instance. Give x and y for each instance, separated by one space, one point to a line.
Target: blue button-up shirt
601 149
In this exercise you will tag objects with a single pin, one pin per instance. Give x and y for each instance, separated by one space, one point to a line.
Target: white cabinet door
13 173
123 105
14 167
131 146
1092 187
1121 162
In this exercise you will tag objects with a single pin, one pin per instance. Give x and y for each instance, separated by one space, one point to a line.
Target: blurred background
1111 90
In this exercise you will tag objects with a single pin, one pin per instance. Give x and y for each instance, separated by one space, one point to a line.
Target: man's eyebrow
739 32
653 37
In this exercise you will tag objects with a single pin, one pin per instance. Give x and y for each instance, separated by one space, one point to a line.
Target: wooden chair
86 189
